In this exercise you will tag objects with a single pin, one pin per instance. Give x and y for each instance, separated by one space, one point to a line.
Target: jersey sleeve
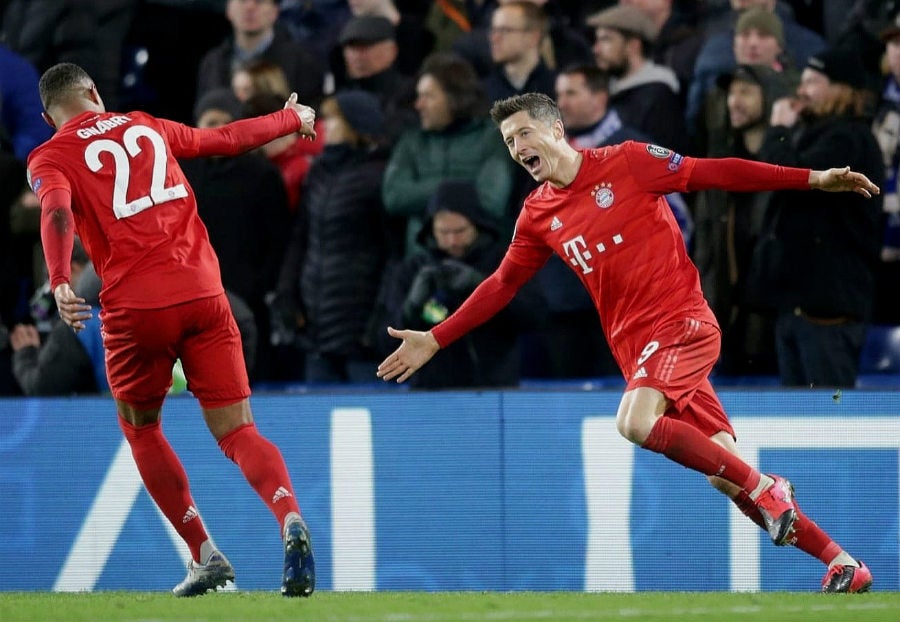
57 221
657 169
57 235
739 175
494 293
230 139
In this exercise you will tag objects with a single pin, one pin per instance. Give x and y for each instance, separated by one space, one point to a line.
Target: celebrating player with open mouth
603 211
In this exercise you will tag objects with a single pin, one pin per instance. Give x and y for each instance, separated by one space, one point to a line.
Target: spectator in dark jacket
462 248
332 268
817 253
647 96
67 362
244 205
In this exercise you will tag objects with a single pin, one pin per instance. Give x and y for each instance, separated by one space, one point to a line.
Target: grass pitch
451 607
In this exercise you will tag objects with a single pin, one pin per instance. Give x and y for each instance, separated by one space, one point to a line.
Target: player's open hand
72 309
417 349
843 180
307 116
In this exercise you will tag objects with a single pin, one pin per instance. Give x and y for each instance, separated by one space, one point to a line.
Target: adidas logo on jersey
190 515
555 224
281 493
640 373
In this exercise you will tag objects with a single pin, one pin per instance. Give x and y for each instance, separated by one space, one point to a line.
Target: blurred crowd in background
407 198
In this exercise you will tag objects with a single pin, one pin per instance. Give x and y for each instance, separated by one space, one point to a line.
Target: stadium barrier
518 490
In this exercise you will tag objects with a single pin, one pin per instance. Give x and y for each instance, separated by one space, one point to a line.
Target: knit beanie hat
766 22
840 65
219 99
362 111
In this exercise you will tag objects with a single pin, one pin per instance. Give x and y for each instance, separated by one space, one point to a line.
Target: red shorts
143 344
677 362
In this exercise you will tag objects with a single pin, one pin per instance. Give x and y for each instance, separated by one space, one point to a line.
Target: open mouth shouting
532 163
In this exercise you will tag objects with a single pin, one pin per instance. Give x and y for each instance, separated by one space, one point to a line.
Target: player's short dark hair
596 79
59 83
538 106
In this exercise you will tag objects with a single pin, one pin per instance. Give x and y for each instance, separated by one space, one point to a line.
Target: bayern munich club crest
603 195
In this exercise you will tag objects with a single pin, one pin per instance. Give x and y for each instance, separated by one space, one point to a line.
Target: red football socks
166 481
262 464
748 508
689 447
810 538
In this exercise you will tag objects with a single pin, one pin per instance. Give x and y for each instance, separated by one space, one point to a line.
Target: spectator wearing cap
370 54
414 40
243 203
717 56
727 224
758 40
454 140
887 133
646 95
462 244
254 36
818 253
332 269
679 37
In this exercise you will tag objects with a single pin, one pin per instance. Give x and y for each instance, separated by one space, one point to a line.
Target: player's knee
633 427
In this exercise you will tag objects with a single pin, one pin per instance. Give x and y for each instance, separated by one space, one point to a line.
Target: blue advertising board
518 490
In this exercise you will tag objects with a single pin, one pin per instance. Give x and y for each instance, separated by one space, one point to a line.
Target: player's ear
558 130
48 120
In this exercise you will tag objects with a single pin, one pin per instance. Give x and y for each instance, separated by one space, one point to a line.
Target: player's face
534 144
431 104
745 104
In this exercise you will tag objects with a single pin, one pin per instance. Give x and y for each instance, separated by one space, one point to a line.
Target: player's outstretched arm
842 180
307 116
416 349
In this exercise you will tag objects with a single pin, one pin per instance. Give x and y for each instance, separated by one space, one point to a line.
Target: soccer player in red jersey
604 213
113 178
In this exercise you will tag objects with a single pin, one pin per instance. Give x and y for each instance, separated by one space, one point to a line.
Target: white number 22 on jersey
158 191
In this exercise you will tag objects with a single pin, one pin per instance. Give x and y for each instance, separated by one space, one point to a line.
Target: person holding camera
461 246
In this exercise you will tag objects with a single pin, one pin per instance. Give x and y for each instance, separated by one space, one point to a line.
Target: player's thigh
212 356
140 349
678 360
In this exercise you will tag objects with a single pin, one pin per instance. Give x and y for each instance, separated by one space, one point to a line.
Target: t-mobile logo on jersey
579 254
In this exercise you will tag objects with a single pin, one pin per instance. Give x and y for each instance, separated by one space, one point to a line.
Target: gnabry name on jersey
103 126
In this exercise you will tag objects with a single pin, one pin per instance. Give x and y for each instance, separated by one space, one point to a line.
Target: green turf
451 607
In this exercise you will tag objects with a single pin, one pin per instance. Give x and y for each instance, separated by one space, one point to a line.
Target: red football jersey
614 229
133 208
